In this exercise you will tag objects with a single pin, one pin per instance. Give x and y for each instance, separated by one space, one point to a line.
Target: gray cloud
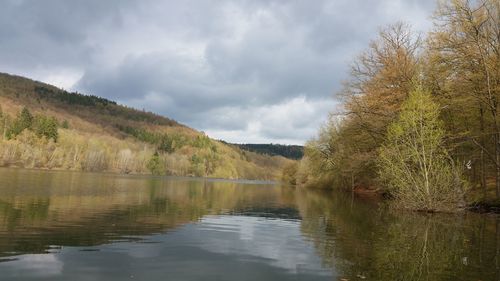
244 70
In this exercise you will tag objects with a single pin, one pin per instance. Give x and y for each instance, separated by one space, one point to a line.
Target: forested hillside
42 126
288 151
408 97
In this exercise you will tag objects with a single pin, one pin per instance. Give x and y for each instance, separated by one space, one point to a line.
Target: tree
167 143
3 123
464 49
379 82
23 121
155 164
413 161
25 118
345 152
198 165
289 174
45 126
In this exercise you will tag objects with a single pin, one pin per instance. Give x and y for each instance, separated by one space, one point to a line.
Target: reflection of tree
356 238
90 209
421 247
341 233
361 240
33 210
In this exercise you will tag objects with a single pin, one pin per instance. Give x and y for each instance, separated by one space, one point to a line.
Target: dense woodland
44 127
442 139
295 152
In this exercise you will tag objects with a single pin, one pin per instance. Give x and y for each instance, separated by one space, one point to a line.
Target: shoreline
116 173
479 207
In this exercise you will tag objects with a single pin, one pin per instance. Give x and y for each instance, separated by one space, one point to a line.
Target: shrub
289 175
65 124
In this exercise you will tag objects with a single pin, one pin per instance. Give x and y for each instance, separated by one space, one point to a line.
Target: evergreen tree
46 127
23 121
155 165
167 143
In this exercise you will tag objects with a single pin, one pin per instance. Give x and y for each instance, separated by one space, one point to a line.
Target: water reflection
379 244
74 209
61 225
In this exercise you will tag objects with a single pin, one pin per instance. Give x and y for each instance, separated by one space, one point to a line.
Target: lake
84 226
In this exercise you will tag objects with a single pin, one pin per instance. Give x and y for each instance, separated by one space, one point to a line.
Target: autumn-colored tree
459 65
463 71
380 80
289 175
3 123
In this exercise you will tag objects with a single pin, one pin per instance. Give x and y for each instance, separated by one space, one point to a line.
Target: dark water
75 226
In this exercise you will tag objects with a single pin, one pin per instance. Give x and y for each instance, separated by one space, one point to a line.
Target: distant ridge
294 152
42 126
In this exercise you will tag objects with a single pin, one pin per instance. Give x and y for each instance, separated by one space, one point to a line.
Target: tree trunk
483 166
497 178
483 175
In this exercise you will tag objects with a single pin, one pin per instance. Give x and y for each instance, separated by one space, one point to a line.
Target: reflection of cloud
278 241
258 248
144 251
247 231
41 265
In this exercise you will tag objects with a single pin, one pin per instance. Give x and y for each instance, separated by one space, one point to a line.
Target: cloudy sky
250 71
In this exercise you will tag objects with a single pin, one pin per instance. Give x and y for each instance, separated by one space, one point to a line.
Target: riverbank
490 206
148 175
476 206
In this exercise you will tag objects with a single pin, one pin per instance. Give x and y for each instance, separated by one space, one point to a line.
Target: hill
294 152
42 126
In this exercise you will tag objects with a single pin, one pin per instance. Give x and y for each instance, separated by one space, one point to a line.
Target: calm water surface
77 226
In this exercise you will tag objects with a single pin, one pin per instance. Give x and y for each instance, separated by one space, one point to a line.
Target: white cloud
244 71
287 122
